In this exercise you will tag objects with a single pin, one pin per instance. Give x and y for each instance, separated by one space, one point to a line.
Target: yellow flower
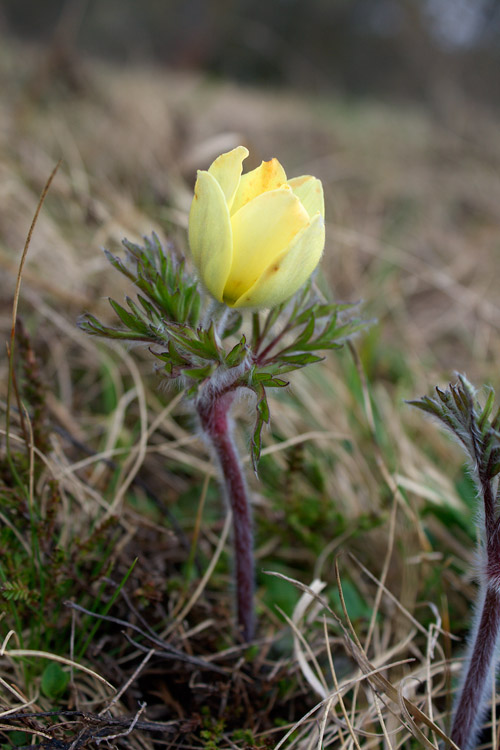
255 238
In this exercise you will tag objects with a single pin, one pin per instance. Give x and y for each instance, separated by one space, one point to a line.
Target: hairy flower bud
255 238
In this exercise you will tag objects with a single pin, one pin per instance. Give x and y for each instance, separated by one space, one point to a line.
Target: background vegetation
113 562
430 50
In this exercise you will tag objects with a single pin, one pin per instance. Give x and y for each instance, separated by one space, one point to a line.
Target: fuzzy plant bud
255 238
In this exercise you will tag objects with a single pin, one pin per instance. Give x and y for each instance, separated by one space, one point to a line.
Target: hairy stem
474 691
482 657
216 423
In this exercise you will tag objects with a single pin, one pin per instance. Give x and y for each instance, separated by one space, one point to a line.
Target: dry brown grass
413 219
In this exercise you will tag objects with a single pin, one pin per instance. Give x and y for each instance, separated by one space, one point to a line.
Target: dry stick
16 298
350 727
35 732
332 672
165 649
32 653
127 731
128 683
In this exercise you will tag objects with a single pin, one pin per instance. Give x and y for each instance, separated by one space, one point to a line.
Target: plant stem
483 646
216 423
469 709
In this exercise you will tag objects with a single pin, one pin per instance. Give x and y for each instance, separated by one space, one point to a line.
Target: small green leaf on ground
54 681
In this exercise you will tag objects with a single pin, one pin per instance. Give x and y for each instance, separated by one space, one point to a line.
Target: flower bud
255 238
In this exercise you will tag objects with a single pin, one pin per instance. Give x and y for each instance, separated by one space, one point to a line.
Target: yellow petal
269 176
262 229
286 274
227 171
310 192
210 237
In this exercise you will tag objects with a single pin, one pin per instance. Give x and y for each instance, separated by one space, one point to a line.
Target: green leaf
460 411
162 279
263 416
237 353
93 327
483 420
299 360
263 409
119 265
17 738
129 320
171 356
199 373
54 681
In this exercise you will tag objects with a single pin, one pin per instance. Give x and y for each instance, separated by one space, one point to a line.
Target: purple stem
470 707
473 694
214 416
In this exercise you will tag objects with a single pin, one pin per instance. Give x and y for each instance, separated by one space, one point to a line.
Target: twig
167 649
127 731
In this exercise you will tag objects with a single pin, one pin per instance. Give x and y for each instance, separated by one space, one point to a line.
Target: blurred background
410 49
